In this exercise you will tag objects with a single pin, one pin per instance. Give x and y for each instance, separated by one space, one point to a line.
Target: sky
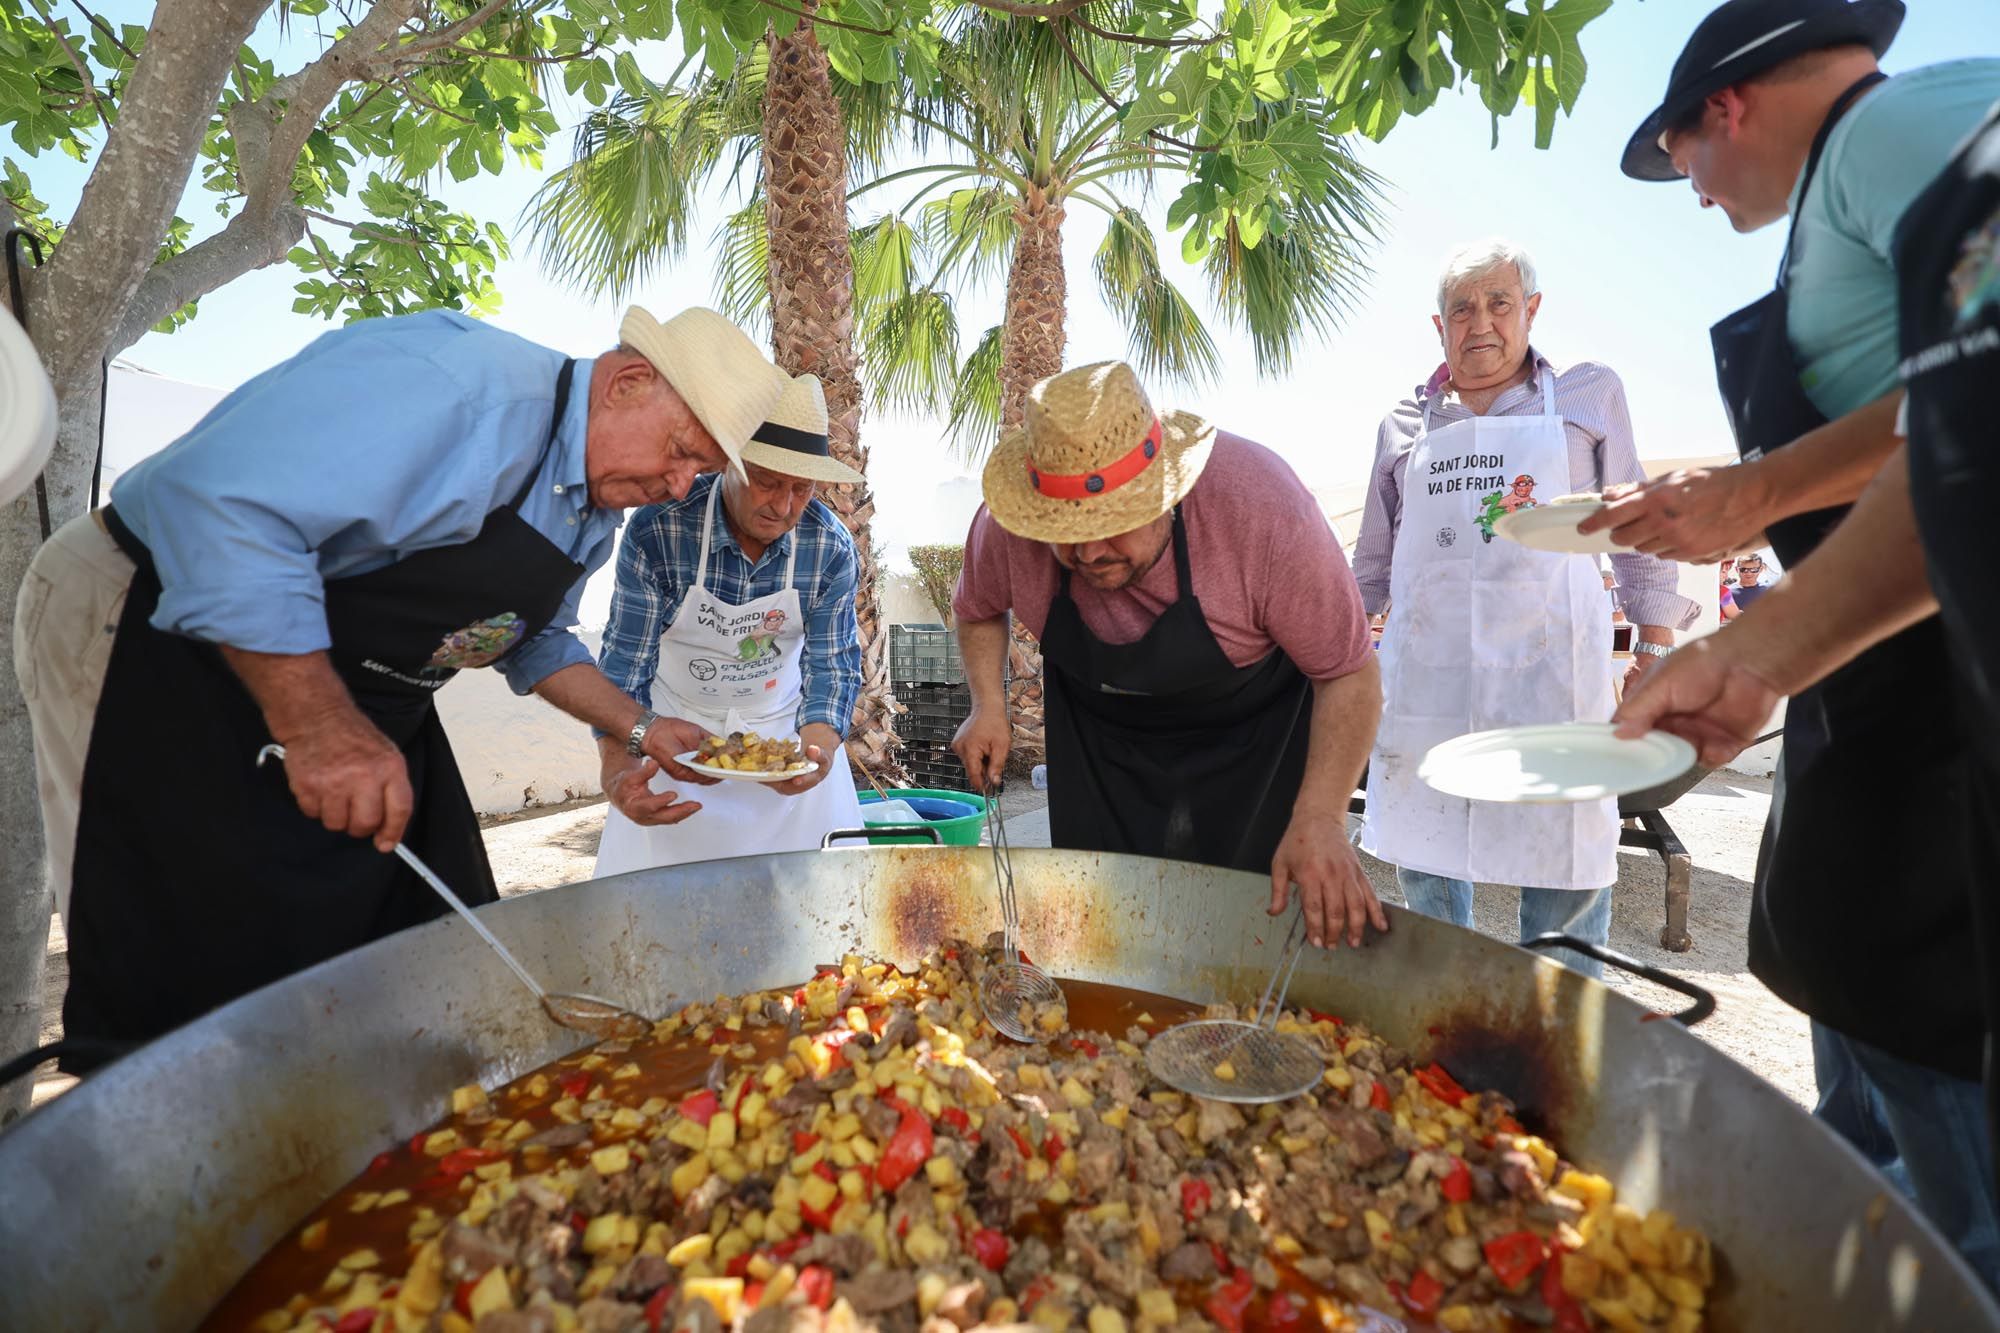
1632 274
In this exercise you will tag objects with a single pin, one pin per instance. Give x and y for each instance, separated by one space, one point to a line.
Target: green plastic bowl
961 832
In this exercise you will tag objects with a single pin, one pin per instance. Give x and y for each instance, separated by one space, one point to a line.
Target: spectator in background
1749 581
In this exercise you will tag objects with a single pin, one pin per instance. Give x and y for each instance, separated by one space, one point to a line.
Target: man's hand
819 741
350 777
670 736
981 744
1316 855
1706 694
628 786
1696 515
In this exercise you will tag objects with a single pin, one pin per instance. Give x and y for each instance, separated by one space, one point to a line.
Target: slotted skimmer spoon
582 1013
1227 1060
1015 995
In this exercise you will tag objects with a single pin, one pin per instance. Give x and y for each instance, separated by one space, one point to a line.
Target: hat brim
1185 444
791 462
1873 22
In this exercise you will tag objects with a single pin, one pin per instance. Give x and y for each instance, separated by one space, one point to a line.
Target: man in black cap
1920 540
1776 108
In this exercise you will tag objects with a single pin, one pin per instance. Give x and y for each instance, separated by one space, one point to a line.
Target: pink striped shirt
1602 453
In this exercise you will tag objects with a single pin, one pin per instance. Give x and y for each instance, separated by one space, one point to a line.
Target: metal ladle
1013 983
582 1013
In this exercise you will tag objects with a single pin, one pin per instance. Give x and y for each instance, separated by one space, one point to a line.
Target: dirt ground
1719 821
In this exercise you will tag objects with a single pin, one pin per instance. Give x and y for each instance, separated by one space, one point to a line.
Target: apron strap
563 378
1545 380
707 535
1833 115
791 561
1181 568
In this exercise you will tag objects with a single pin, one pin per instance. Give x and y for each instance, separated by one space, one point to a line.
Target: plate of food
1553 765
747 757
1552 526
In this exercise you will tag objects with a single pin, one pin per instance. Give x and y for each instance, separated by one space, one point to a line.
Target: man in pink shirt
1211 694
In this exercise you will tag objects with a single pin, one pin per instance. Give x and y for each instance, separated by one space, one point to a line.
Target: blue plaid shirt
656 565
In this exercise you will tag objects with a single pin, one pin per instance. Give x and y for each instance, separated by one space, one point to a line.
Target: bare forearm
1833 464
1865 582
982 646
1344 713
295 691
584 692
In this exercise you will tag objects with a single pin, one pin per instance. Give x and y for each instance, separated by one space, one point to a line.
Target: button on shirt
377 441
1591 399
656 568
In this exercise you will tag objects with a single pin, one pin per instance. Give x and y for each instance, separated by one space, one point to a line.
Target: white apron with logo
1485 633
733 668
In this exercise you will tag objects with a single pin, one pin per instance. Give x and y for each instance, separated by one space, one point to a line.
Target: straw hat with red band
1093 458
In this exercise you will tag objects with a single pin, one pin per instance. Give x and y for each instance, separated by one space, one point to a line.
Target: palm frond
909 351
969 234
974 421
1164 331
743 270
885 263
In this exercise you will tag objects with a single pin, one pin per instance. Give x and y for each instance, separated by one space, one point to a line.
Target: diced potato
336 1279
519 1130
1051 1315
363 1201
1294 1144
1225 1071
278 1321
1002 1311
688 1175
1058 1192
724 1294
924 1245
627 1117
696 1247
470 1097
490 1293
1581 1275
1618 1315
1380 1233
853 1185
818 1193
442 1141
931 1288
722 1131
804 1162
1038 1170
1592 1191
1157 1304
1459 1319
1076 1094
843 1127
601 1234
1338 1077
366 1289
1288 1246
454 1322
1116 1117
423 1288
942 1171
610 1161
864 1150
360 1259
1104 1319
1681 1291
1657 1227
314 1236
1119 1211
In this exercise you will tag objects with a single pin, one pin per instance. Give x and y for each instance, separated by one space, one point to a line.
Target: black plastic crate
924 655
932 764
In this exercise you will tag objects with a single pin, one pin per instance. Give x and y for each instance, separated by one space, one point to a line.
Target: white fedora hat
726 382
792 440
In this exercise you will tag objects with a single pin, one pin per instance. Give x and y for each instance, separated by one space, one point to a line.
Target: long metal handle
1281 975
899 830
1704 1001
1003 875
414 862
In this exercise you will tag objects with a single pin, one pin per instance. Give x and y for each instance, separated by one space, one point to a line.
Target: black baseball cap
1744 38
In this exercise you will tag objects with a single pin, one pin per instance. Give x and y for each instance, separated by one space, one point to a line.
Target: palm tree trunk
812 329
1031 349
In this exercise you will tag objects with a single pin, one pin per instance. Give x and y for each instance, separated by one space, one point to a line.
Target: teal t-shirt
1883 152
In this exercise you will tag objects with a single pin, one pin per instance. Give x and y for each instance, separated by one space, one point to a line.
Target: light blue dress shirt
381 439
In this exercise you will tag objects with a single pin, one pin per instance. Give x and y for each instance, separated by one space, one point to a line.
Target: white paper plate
1553 528
1553 765
27 411
742 775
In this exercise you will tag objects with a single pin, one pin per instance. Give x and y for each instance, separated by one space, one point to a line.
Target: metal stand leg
1674 935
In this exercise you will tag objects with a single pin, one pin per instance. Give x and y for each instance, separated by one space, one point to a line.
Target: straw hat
1094 459
792 439
726 382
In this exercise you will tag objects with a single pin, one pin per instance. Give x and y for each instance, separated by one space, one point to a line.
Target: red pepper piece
578 1223
802 1141
1441 1085
1509 1125
701 1107
417 1143
356 1321
824 1171
957 1119
799 998
1318 1017
574 1085
737 1267
1020 1141
741 1093
1515 1256
1089 1048
990 1248
1282 1312
1421 1297
656 1308
1195 1198
903 1227
816 1285
753 1294
909 1148
437 1182
1221 1256
822 1219
460 1161
790 1246
461 1297
1457 1186
1379 1097
1053 1146
1031 1296
381 1162
1226 1304
951 955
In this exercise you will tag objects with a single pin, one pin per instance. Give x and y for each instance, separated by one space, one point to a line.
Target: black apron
1948 267
1858 915
197 879
1162 746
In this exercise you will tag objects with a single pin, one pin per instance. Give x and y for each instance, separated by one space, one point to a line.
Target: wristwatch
1652 649
635 742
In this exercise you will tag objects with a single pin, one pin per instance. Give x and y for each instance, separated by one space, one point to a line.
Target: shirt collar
724 537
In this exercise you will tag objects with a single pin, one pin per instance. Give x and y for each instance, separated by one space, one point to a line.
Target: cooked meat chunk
1191 1262
878 1290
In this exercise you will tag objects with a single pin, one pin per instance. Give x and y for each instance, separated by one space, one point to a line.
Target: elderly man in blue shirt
735 609
403 499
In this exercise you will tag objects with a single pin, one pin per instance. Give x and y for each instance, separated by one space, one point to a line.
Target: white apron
1485 633
733 668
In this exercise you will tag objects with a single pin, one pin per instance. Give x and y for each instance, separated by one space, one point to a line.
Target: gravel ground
1719 821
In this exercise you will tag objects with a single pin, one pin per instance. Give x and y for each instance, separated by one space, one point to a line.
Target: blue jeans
1939 1124
1577 912
1851 1106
